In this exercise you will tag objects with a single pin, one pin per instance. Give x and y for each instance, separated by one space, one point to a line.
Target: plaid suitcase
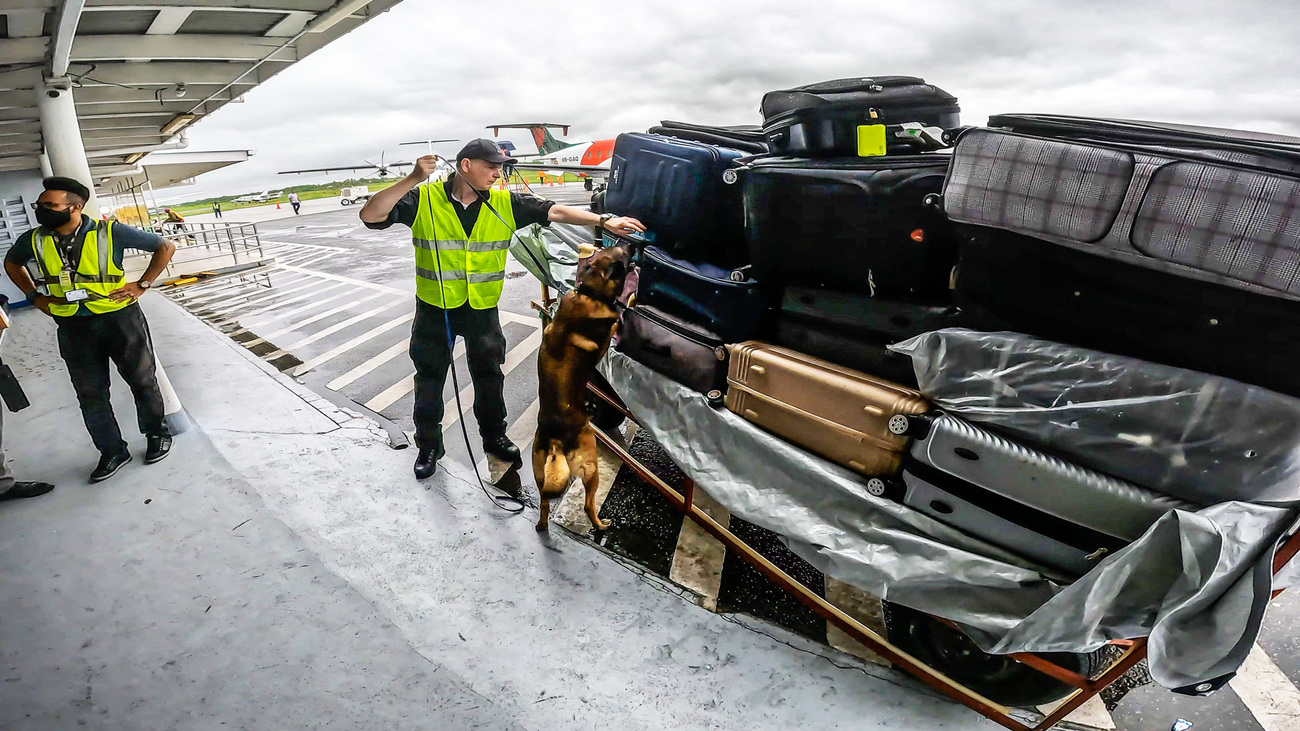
1216 205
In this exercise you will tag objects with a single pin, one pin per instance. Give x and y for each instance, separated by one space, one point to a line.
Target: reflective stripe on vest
96 271
473 267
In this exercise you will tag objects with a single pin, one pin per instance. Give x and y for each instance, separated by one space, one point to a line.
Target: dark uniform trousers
87 344
485 349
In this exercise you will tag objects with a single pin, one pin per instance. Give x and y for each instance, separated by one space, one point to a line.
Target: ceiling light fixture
176 123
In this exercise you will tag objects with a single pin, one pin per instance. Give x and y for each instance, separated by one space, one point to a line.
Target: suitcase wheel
882 487
730 176
933 201
910 425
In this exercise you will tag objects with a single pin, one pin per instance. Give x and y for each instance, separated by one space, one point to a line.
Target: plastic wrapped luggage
1095 513
689 354
1008 281
823 119
1219 206
675 188
858 226
724 301
744 137
835 412
1199 437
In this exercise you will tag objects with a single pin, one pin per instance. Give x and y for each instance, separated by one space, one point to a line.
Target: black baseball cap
483 149
67 185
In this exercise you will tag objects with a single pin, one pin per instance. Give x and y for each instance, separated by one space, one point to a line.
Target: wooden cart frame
1133 651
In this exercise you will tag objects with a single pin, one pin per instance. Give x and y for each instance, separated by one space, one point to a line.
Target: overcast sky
437 68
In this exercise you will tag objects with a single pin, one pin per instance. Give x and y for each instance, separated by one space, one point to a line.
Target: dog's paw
603 525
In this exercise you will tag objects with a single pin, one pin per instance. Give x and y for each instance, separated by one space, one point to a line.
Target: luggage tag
871 140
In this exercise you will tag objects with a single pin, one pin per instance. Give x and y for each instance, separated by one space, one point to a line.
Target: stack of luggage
1151 265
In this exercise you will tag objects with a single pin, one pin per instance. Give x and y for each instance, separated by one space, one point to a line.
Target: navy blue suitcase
725 301
675 188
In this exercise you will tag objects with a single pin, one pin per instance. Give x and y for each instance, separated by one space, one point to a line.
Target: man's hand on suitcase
624 225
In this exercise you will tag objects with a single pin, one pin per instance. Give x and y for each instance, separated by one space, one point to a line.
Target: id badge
65 279
76 295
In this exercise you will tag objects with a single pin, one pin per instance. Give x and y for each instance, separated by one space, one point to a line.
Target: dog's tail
556 470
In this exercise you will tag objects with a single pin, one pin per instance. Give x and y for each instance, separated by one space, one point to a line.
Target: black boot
157 448
426 462
503 449
26 489
109 464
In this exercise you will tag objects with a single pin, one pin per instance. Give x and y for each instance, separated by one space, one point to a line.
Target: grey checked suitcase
1215 205
1059 503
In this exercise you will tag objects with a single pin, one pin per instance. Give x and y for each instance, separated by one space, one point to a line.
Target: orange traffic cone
277 205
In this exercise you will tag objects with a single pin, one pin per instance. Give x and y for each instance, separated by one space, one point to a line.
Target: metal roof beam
30 162
165 73
281 6
164 93
65 32
23 50
168 21
28 4
189 47
19 79
290 25
17 114
26 23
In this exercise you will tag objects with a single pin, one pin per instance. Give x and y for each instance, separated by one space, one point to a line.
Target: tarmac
283 569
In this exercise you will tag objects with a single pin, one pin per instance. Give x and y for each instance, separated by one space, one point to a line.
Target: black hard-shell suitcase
861 225
746 137
689 354
822 119
860 352
675 188
889 320
725 301
1011 281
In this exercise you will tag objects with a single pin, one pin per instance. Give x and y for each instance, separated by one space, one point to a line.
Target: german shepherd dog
572 344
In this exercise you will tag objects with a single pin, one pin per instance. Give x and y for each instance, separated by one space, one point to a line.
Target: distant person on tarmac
293 201
461 229
216 209
93 304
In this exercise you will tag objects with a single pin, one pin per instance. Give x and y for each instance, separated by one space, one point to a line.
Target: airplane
588 159
382 170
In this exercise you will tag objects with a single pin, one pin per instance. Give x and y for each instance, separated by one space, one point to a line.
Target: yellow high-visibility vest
471 268
96 271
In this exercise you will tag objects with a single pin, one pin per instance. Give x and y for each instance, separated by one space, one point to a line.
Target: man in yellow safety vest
461 230
79 261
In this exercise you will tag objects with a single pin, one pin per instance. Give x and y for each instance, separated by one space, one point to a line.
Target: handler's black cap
483 149
67 185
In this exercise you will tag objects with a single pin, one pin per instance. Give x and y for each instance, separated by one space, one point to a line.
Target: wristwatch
604 219
145 283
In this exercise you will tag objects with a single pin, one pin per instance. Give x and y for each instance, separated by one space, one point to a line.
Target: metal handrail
238 241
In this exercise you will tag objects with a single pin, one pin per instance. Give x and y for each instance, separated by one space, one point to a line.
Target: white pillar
178 419
62 135
46 170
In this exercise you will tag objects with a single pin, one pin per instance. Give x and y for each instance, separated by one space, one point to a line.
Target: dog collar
583 290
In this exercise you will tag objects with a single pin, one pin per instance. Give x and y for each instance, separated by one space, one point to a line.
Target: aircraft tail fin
542 137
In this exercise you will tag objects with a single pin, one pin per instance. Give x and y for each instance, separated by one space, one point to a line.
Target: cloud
431 69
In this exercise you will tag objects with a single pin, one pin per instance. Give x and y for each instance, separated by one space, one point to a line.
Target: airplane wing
591 171
330 170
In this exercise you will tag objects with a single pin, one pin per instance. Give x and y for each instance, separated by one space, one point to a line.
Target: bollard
178 420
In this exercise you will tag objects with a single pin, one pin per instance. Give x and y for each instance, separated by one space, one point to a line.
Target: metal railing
201 246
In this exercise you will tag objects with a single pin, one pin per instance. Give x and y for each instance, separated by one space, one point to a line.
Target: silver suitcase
1092 513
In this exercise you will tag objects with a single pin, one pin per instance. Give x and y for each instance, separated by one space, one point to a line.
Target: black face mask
50 218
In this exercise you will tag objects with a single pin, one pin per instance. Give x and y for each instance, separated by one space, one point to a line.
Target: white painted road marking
1267 692
349 345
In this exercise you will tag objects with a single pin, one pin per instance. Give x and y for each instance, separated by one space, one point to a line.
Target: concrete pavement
283 569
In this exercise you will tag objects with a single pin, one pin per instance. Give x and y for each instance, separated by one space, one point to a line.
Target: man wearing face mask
79 261
461 230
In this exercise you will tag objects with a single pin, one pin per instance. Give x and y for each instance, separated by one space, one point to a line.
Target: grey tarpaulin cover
1187 434
1196 583
554 247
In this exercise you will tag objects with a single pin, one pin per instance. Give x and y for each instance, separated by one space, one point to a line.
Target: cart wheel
345 201
998 678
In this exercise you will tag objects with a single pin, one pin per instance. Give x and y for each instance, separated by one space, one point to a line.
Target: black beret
68 185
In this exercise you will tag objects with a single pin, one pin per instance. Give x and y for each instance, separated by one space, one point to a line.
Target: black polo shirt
124 237
527 209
